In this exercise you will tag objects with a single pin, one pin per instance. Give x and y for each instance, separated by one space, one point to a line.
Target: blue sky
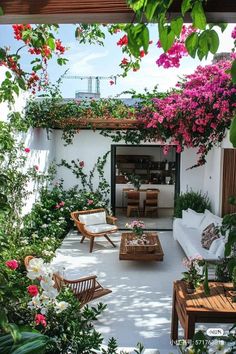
94 60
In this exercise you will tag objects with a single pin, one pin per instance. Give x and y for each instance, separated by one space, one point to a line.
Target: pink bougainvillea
196 116
178 50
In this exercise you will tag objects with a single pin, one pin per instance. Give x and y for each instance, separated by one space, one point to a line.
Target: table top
157 255
220 299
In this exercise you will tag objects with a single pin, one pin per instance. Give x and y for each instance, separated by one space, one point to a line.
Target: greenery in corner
102 190
197 201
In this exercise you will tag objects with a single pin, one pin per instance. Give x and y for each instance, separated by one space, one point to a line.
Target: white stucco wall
87 146
190 178
42 153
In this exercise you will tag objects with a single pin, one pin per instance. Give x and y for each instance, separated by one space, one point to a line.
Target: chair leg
108 239
82 239
91 244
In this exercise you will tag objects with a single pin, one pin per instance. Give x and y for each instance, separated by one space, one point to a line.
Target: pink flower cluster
192 261
40 319
178 50
233 34
196 116
59 205
33 290
12 264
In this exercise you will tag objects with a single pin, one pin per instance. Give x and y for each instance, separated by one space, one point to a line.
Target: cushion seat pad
100 228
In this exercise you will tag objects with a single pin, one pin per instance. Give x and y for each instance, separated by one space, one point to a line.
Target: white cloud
84 62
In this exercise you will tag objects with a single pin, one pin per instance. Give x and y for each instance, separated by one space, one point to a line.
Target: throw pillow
210 218
209 234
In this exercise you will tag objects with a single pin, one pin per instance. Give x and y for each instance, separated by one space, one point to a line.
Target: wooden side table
199 308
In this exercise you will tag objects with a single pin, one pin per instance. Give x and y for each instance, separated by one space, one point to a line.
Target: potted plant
137 227
192 276
134 179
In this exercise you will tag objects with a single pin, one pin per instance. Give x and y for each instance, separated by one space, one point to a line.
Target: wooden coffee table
145 253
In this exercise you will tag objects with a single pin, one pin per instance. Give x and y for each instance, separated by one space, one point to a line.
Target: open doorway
144 169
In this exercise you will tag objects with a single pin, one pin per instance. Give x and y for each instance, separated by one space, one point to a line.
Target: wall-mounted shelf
149 171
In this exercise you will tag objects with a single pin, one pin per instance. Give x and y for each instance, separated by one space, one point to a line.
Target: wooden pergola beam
96 11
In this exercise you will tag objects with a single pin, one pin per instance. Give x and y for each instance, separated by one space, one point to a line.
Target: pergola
97 11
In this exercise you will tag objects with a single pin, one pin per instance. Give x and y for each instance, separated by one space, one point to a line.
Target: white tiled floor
139 307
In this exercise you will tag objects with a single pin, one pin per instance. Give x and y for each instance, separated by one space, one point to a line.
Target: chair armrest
111 220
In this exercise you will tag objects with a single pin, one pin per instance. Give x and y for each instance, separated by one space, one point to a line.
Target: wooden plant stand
189 309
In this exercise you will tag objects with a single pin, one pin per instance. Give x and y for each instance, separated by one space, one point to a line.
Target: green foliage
102 190
89 33
197 201
73 330
232 132
228 229
53 112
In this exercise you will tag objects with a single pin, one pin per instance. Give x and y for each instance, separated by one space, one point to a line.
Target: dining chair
150 204
133 198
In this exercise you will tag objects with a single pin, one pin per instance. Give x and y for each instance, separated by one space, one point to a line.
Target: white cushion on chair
93 218
96 229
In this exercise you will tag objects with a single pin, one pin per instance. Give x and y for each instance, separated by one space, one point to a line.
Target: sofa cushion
209 234
191 218
93 218
208 219
96 229
221 250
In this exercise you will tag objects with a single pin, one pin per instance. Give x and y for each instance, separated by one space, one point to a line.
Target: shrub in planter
197 201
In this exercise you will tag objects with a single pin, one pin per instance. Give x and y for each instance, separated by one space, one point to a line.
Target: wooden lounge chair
85 289
94 223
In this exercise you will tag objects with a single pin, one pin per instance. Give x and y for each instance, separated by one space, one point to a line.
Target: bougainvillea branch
197 116
40 42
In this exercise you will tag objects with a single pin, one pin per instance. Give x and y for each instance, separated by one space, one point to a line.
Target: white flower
46 238
35 302
35 268
43 311
24 242
218 347
44 226
61 306
47 253
44 299
51 293
47 283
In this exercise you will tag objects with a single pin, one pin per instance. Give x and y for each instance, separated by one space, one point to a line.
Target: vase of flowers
192 276
137 227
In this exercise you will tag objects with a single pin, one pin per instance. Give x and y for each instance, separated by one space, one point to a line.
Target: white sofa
188 232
